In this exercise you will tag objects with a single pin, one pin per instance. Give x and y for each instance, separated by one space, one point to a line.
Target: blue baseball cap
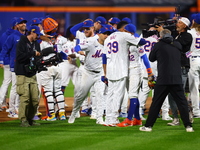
101 20
110 28
88 24
20 20
14 21
104 29
35 21
114 20
35 29
197 18
130 27
128 20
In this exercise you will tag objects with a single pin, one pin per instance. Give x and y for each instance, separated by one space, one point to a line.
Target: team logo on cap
32 30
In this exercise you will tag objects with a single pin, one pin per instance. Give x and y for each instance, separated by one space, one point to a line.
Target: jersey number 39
113 47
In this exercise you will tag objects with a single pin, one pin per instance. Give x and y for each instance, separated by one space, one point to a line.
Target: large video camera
40 64
166 24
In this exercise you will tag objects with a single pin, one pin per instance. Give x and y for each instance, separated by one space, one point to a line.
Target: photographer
27 50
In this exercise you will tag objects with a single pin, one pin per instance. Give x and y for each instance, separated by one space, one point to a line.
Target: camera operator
27 50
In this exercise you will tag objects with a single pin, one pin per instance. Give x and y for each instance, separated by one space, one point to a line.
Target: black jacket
185 40
168 56
25 51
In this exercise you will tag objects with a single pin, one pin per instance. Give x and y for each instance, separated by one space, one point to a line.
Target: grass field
84 134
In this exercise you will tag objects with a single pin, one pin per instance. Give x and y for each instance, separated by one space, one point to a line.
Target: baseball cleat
125 123
71 119
62 115
52 118
136 122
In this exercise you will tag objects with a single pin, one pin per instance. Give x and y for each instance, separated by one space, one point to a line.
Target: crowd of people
117 67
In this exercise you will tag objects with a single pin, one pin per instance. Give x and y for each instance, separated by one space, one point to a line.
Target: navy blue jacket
3 39
9 48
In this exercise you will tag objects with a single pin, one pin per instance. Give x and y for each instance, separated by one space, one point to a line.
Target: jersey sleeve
131 39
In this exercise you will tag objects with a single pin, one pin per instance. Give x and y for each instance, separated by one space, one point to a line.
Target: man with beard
9 48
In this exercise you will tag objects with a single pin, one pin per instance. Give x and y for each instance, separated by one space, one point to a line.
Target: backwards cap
185 20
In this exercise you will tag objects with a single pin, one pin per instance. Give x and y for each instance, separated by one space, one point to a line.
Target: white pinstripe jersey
93 58
135 54
195 47
116 49
148 47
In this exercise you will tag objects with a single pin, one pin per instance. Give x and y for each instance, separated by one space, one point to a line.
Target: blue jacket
3 39
9 48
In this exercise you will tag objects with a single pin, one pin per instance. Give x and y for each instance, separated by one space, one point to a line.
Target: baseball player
115 65
89 31
51 78
91 73
193 74
135 79
144 90
99 23
7 77
113 22
9 48
69 68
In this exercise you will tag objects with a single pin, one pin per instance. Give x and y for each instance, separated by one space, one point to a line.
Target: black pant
160 93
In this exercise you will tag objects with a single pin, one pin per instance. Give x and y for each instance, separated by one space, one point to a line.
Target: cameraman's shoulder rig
52 58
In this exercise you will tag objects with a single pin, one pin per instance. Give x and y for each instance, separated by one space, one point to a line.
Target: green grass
84 134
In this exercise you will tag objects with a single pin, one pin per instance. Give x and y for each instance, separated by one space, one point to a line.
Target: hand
104 79
37 53
81 53
151 81
1 66
69 59
159 28
151 77
45 38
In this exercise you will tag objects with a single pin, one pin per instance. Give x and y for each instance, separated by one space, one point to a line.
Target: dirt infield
69 102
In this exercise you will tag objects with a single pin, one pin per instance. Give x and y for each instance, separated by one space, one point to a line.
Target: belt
195 56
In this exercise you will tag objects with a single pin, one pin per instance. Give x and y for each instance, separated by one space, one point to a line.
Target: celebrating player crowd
114 68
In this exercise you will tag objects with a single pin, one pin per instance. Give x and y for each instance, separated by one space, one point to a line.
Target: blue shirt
3 39
9 48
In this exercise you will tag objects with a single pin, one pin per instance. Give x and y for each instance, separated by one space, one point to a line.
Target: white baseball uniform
90 75
51 82
194 72
69 69
116 49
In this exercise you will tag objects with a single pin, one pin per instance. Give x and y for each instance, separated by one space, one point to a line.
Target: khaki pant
28 92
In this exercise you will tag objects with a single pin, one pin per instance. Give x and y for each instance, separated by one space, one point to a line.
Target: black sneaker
33 123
